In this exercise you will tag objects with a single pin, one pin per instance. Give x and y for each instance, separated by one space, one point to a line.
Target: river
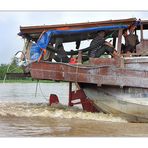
24 112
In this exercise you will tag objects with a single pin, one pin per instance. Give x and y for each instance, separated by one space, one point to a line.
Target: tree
3 69
9 68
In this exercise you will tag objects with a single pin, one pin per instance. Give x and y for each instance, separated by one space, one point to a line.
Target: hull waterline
123 102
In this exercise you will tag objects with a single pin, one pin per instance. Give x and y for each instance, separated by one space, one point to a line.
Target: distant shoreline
26 81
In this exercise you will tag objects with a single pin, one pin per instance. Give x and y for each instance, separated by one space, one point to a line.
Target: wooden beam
119 40
141 32
114 41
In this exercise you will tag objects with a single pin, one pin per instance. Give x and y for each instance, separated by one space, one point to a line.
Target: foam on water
57 111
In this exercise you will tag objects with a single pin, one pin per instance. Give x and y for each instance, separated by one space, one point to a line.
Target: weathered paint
100 74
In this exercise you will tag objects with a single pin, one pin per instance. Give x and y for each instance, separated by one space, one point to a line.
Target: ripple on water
56 111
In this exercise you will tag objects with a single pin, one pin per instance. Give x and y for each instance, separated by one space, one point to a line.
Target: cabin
81 32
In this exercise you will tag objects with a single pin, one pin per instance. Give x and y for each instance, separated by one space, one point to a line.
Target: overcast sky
10 23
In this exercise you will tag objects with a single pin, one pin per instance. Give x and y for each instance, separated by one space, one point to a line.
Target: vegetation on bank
13 68
27 80
9 68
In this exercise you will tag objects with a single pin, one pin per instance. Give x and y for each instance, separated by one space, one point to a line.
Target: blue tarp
46 37
35 52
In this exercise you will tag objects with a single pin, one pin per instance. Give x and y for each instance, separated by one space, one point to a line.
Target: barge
116 85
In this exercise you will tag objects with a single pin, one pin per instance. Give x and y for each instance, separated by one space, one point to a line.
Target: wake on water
55 111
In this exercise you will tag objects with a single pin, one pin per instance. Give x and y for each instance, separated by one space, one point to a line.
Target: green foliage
10 68
3 69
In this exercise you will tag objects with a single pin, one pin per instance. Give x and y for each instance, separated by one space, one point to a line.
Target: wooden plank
93 74
119 40
141 32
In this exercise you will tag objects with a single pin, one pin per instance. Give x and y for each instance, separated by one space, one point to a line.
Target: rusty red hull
125 72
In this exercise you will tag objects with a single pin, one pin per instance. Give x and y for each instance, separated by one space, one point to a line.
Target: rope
6 73
4 80
38 84
36 88
23 55
42 93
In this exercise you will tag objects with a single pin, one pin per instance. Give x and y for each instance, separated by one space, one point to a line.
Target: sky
10 22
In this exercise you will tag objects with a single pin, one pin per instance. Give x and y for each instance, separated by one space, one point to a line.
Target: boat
114 85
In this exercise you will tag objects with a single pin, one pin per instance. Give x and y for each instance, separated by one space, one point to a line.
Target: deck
132 72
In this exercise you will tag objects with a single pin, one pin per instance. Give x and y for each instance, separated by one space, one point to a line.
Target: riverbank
25 81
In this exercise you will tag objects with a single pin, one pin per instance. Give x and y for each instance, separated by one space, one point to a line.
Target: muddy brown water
26 114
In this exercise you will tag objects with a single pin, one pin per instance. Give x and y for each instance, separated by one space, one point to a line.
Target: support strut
79 97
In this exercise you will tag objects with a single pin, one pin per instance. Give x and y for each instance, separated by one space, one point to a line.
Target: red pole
70 94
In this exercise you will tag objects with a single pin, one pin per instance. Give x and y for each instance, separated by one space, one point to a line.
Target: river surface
24 112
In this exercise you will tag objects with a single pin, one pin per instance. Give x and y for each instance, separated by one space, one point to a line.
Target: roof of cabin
34 32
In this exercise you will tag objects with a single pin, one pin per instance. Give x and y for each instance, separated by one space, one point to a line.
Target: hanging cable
36 89
42 93
4 80
23 62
